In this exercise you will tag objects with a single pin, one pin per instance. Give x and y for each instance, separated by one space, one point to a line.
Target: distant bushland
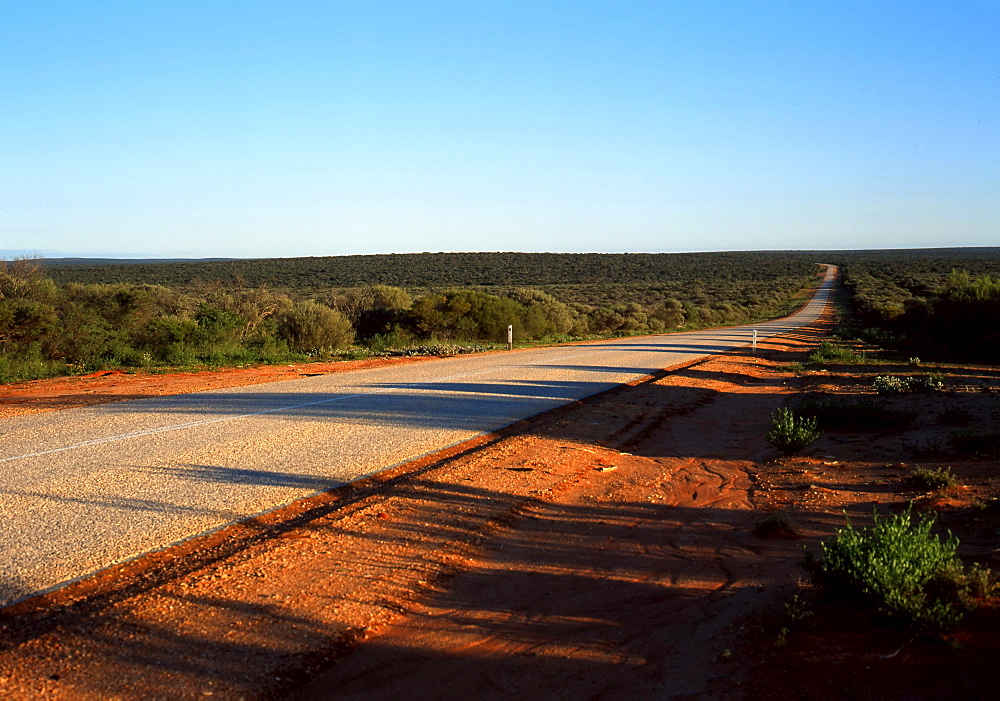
69 317
942 305
597 279
78 316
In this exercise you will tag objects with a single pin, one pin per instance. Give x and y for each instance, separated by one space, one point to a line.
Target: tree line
591 272
53 326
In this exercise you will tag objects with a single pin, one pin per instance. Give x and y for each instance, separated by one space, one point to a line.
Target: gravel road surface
84 489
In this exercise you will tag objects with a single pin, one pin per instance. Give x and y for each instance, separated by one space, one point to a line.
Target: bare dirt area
619 547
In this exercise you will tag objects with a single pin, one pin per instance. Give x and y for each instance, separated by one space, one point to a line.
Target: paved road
83 489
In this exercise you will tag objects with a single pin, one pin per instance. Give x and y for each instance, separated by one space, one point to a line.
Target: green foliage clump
894 384
373 310
828 352
906 571
28 368
313 327
932 478
932 303
890 384
791 433
927 383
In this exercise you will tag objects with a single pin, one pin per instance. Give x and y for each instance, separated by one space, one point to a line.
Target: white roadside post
510 337
755 340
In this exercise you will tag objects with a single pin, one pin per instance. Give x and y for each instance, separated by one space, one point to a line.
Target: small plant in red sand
790 432
908 572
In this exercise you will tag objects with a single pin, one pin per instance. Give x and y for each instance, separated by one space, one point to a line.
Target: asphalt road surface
84 489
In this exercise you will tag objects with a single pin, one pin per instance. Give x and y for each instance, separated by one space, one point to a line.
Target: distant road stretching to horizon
84 489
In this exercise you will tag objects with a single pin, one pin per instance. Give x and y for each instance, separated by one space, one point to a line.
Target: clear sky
263 129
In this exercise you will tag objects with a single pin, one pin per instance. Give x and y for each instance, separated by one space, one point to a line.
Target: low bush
894 384
789 432
311 326
392 340
20 369
906 571
890 384
828 352
559 338
931 478
927 383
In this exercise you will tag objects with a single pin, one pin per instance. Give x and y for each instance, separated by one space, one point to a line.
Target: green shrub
890 384
828 352
558 338
393 340
180 355
162 333
930 478
311 326
907 572
893 384
30 368
467 315
216 322
270 350
928 383
790 433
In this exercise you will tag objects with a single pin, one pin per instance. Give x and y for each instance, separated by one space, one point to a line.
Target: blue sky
264 129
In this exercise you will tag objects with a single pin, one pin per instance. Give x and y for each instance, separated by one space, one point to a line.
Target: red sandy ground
604 550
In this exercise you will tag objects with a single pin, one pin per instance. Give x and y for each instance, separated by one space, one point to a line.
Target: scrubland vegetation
76 316
937 305
917 338
56 319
